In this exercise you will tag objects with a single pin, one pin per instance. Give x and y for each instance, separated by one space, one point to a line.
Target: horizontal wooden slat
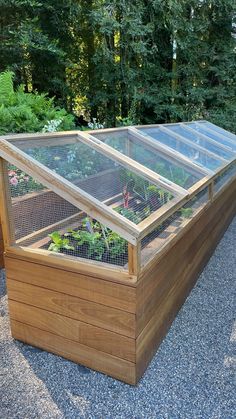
86 334
156 314
72 264
76 308
157 281
89 288
97 360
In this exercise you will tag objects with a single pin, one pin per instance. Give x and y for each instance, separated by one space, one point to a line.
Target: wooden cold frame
104 317
112 324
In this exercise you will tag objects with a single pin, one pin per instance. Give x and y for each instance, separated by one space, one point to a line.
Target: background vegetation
125 61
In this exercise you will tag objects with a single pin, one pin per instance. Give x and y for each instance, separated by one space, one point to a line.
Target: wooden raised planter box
112 318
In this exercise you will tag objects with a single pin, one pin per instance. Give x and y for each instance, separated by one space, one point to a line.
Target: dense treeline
125 61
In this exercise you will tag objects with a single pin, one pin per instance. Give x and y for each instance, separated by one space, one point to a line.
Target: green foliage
59 243
27 112
186 212
117 245
6 84
93 241
91 244
125 62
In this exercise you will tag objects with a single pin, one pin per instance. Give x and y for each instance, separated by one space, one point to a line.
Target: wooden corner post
134 258
6 212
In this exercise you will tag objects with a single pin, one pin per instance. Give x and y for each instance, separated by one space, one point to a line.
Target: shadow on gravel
2 284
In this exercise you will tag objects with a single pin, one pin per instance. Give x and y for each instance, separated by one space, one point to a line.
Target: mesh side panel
151 158
155 240
127 193
225 177
118 140
45 220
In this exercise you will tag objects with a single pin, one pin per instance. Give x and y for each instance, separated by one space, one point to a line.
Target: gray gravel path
191 376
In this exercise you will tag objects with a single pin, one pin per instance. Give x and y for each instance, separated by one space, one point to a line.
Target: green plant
94 242
186 212
28 112
129 214
117 245
59 243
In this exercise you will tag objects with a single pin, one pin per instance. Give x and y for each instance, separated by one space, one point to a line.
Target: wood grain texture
71 193
90 357
112 327
163 290
84 333
76 308
122 297
1 248
157 281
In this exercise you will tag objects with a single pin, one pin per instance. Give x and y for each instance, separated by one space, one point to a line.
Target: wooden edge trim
177 157
192 144
205 137
161 215
134 259
64 262
172 240
7 219
69 192
218 134
126 161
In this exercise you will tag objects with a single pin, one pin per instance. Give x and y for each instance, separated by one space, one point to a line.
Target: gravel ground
191 376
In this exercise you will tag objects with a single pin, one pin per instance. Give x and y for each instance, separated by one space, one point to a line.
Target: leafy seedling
59 243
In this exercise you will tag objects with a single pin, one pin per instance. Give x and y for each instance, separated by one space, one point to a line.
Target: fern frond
6 83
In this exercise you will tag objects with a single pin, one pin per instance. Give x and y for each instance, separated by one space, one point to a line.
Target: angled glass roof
102 177
191 150
193 134
181 172
215 133
125 178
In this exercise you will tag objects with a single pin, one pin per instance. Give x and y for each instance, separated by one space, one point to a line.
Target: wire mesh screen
150 157
44 220
129 194
116 139
199 157
225 177
162 233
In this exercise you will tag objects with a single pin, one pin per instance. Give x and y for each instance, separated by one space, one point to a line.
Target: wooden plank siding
108 324
83 318
1 248
162 290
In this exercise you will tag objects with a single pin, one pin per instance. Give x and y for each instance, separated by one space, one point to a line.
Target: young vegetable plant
93 241
186 212
59 243
117 245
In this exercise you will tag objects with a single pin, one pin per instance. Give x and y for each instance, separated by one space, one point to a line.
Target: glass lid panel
118 187
222 140
197 139
220 130
151 158
198 157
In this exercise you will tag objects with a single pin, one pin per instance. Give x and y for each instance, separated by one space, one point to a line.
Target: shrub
28 112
